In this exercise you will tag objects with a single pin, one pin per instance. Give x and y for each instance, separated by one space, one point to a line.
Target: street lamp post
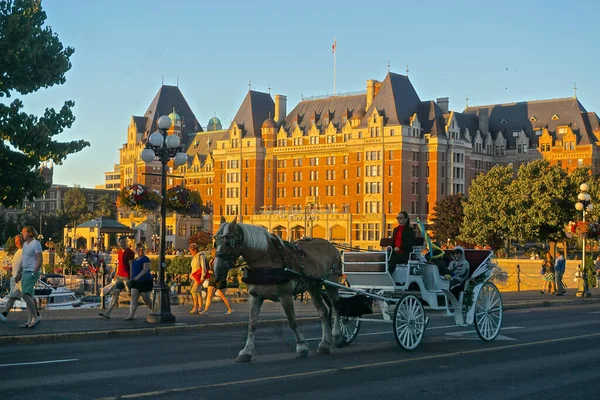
163 147
584 204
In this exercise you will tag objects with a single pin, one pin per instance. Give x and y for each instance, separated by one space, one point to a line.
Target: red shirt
398 238
123 267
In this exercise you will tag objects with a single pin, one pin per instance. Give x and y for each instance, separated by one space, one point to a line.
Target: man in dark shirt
404 238
125 258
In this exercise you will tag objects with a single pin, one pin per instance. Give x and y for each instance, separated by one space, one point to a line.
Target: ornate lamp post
584 204
162 147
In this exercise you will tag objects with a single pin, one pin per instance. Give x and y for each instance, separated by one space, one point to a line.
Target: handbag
543 270
197 275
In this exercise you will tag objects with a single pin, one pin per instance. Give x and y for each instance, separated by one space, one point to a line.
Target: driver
459 267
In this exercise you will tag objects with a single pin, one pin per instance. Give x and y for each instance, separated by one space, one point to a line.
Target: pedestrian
548 278
197 277
15 288
218 286
125 257
141 281
31 262
597 269
559 271
404 237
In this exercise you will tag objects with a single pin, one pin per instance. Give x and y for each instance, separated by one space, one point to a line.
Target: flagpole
334 50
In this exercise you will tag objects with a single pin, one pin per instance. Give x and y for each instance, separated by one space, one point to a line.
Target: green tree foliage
10 246
105 208
448 217
540 202
31 57
487 210
179 265
75 204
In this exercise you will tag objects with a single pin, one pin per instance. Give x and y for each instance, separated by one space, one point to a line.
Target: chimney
370 92
280 107
444 103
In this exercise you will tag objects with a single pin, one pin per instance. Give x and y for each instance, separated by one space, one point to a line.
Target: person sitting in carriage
404 238
459 268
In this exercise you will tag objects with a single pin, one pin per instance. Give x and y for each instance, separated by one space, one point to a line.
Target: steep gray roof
397 99
532 115
207 142
167 99
140 123
333 107
255 109
431 117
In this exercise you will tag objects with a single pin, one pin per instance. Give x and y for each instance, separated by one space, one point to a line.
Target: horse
267 256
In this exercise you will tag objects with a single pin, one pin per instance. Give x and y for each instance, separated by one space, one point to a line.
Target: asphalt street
541 353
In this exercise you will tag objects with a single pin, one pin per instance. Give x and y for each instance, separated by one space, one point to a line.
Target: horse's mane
255 237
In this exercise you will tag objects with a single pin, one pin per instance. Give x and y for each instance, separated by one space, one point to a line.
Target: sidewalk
64 325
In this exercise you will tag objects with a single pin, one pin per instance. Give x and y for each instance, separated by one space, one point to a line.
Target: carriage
405 295
277 270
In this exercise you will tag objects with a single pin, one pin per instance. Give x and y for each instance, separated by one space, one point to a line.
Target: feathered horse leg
247 352
287 302
315 294
336 331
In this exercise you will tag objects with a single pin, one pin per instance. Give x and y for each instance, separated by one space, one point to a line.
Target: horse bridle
233 240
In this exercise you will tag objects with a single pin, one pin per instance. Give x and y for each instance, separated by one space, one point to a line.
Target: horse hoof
244 358
323 350
339 341
302 353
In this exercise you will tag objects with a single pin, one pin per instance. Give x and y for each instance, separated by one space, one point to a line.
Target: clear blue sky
494 52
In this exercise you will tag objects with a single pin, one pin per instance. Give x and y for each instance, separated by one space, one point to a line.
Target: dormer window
504 121
555 117
538 132
326 120
532 118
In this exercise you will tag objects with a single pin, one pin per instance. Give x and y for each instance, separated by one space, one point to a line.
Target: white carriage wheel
349 327
488 312
409 322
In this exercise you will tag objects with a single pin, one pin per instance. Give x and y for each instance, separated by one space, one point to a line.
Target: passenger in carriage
404 238
459 267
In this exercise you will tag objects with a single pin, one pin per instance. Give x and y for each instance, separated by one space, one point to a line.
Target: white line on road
595 312
429 328
39 362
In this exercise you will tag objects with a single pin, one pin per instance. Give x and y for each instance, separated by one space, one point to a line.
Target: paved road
548 353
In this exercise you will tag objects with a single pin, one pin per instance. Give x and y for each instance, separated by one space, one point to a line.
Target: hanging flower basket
184 201
582 229
138 198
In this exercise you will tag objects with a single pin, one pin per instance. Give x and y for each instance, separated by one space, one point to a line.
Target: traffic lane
527 366
216 351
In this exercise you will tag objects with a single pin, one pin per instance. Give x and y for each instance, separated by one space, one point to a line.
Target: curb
175 329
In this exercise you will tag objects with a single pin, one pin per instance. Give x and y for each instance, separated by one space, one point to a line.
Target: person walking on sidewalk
548 275
218 286
197 277
31 263
125 258
15 288
141 281
559 271
597 269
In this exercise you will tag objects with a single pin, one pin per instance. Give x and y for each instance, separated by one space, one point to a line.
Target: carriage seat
474 257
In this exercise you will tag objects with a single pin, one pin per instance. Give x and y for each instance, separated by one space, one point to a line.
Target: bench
474 257
367 270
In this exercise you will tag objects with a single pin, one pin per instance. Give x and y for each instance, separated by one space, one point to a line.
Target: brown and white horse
266 256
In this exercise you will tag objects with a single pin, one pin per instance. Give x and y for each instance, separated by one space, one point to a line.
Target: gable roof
255 109
207 142
333 107
106 225
140 123
397 99
167 99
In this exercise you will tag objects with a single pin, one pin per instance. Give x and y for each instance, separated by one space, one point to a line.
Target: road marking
464 335
39 362
595 312
350 368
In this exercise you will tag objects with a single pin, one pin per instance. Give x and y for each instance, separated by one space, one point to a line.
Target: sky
494 52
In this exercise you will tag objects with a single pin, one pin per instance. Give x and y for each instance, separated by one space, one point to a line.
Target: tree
448 217
75 206
487 210
105 208
31 57
202 238
540 203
